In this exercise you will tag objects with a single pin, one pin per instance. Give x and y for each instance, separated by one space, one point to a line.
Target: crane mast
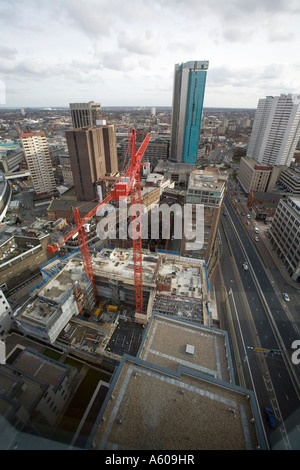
128 185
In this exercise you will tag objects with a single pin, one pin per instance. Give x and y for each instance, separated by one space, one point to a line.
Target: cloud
281 36
101 17
7 52
6 65
7 11
116 60
37 68
247 77
238 8
236 34
144 43
121 44
93 18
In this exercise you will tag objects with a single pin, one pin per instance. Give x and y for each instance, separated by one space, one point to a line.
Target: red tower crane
128 185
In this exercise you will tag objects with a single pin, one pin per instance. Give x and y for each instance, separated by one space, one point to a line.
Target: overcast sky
122 53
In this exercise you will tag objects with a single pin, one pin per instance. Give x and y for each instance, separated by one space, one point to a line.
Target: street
260 322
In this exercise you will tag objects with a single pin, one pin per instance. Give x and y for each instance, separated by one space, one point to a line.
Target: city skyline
55 53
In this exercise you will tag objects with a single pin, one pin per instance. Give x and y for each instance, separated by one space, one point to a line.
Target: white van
256 230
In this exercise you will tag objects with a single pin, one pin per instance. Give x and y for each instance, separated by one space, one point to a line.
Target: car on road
256 230
256 239
245 266
270 417
248 216
286 297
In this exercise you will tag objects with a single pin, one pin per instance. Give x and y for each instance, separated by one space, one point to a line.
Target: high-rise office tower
188 97
39 162
85 114
93 154
276 130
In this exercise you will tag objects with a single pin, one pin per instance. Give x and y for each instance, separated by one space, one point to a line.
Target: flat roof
41 309
167 165
208 179
59 285
67 205
152 408
166 346
41 367
119 263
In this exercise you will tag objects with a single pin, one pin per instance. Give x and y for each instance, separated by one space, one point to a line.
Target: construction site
154 371
85 295
63 310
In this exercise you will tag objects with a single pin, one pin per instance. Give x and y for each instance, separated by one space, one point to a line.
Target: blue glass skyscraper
188 97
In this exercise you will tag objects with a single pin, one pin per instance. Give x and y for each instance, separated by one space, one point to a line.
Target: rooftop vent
189 349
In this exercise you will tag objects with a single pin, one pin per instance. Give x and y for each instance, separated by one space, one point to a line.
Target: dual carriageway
262 326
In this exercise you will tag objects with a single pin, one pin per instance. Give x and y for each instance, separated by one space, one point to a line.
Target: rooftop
153 408
175 275
172 343
44 306
41 367
209 179
167 165
57 287
118 263
256 165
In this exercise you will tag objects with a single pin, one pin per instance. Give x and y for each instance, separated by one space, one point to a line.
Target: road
260 321
29 211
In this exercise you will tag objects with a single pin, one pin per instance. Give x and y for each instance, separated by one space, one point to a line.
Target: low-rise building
285 235
10 159
263 205
34 390
179 393
177 172
54 303
290 180
21 255
253 176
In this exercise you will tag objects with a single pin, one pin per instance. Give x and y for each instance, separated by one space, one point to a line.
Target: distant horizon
49 108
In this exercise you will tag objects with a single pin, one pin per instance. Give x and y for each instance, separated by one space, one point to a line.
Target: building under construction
64 303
